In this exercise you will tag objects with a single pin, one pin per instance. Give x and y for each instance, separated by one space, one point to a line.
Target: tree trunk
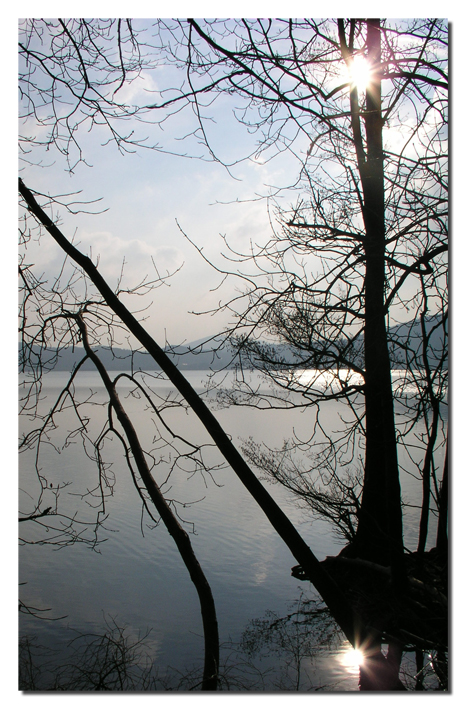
379 534
442 535
426 479
381 674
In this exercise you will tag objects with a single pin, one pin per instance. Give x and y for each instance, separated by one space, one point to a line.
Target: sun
360 73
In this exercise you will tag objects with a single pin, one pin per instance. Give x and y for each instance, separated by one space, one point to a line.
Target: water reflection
141 582
300 651
352 659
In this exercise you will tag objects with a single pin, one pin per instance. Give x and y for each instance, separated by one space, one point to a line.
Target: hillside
199 356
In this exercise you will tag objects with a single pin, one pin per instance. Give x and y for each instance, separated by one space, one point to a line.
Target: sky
150 197
147 192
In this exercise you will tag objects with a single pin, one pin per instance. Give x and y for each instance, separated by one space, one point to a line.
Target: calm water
137 577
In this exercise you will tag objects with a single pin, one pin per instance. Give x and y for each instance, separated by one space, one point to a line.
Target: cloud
137 91
110 253
168 257
140 258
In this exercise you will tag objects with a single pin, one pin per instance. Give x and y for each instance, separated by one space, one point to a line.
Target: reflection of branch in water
36 516
303 637
296 639
115 659
110 660
36 612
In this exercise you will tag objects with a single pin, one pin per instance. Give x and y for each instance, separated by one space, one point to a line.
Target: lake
135 577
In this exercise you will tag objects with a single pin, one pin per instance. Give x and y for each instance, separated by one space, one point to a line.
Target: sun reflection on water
352 659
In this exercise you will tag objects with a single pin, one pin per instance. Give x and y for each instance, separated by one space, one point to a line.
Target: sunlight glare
353 658
360 73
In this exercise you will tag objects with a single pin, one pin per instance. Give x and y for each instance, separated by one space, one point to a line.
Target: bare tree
366 240
70 74
370 222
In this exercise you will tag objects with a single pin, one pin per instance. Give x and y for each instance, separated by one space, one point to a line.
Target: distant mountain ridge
212 354
190 357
